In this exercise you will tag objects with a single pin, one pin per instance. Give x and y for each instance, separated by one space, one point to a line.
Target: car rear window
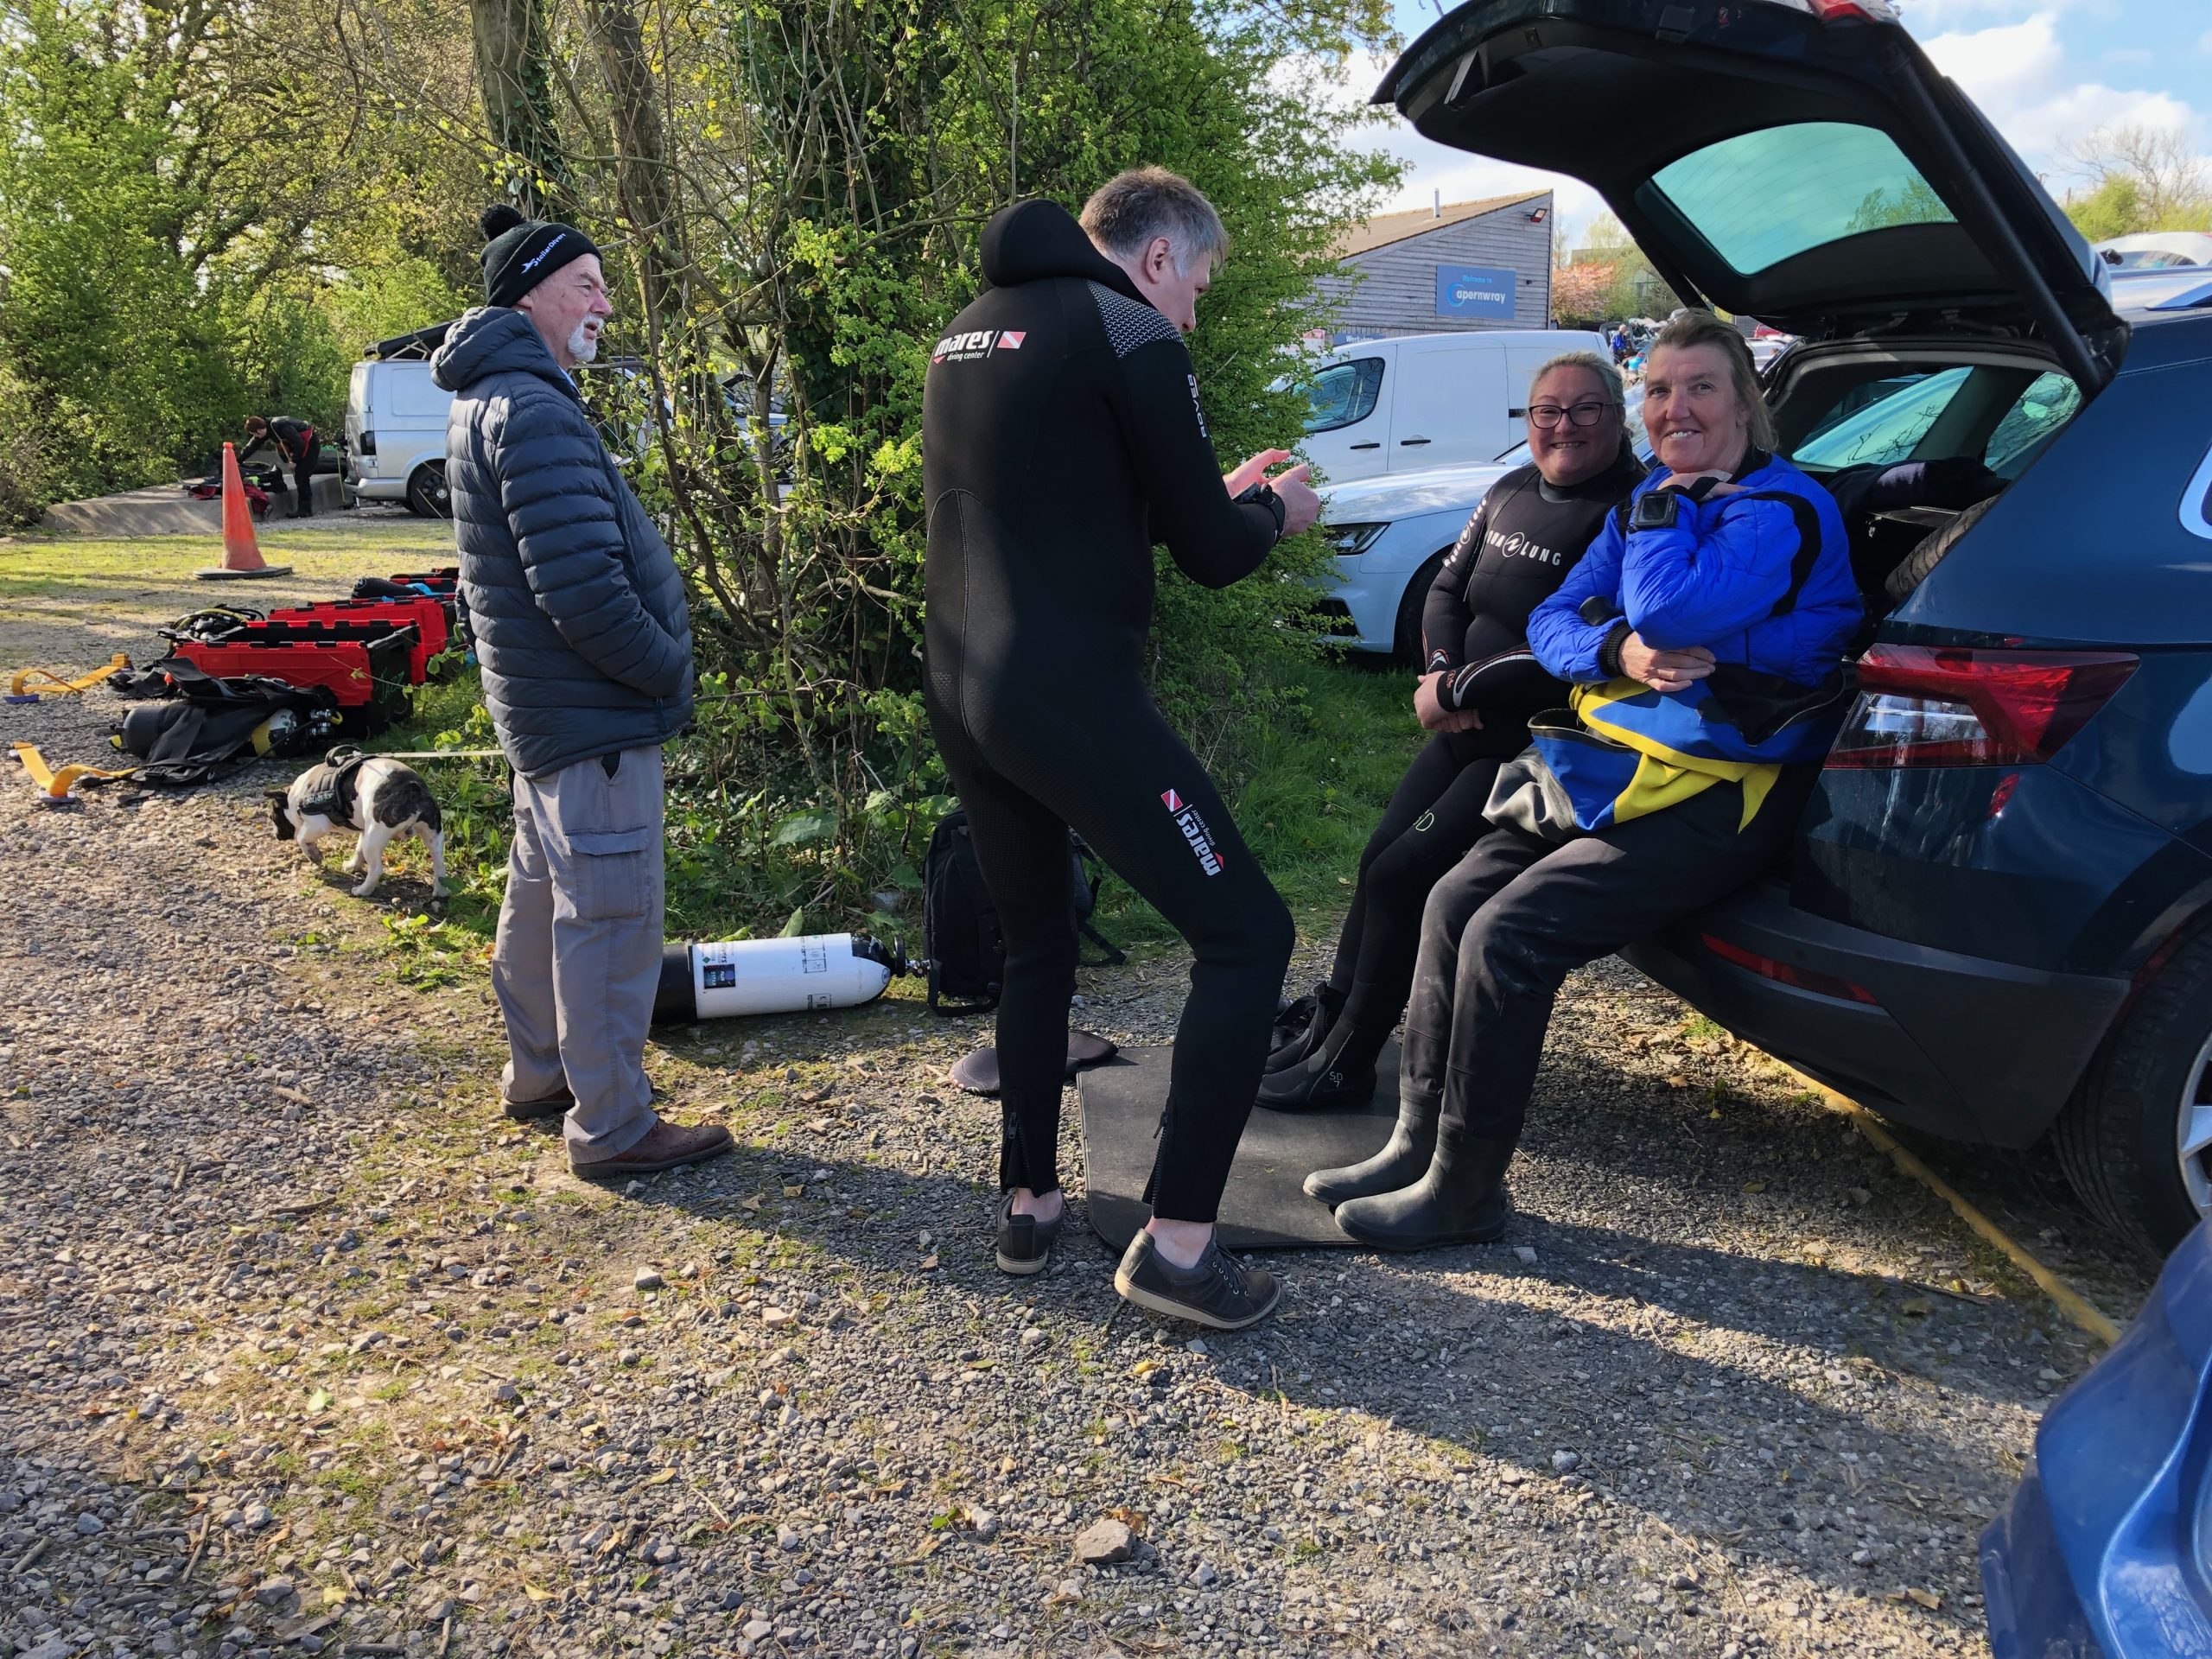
1879 422
1763 197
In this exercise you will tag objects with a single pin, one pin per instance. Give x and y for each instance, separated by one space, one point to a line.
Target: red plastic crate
367 676
297 628
432 624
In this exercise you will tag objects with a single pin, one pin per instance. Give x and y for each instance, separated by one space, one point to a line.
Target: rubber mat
1265 1206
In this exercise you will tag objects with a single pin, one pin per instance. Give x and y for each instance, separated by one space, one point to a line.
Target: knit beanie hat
519 253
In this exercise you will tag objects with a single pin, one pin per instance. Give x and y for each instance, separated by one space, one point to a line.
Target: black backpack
965 946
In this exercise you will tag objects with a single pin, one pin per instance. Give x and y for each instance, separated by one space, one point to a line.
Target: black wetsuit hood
1032 241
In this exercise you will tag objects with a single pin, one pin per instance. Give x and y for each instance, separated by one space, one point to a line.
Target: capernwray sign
1474 291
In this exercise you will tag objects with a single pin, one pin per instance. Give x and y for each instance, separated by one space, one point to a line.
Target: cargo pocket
614 881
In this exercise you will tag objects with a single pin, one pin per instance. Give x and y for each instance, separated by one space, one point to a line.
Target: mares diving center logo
966 348
1194 830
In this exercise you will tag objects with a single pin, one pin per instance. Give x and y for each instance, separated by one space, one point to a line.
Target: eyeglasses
1547 414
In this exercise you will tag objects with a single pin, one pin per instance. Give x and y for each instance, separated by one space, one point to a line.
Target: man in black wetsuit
1061 436
1478 690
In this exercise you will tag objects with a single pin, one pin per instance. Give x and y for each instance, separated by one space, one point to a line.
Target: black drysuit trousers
1509 922
1094 753
1434 816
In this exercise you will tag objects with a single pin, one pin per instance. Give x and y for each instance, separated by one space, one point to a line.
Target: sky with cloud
2047 73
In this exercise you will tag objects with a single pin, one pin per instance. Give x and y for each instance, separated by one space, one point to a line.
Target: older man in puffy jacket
586 646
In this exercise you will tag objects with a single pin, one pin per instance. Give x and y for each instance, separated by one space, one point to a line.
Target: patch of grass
59 578
1316 791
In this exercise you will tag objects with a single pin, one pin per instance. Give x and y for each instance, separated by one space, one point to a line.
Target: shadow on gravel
1473 1359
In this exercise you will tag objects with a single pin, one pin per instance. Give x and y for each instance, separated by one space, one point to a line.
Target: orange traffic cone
241 553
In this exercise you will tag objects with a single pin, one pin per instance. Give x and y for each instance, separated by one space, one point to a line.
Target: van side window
1344 394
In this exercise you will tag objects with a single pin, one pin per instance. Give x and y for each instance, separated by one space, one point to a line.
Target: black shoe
1402 1161
1340 1073
1215 1293
1301 1025
1025 1243
1460 1200
529 1111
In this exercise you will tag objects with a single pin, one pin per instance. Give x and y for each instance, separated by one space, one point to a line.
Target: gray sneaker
1215 1293
1025 1243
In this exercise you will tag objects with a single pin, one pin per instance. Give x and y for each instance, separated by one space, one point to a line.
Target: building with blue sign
1453 265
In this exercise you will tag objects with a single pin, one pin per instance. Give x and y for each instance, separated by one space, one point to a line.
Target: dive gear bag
203 725
962 941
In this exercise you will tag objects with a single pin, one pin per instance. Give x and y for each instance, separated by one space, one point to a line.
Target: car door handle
1377 445
1405 443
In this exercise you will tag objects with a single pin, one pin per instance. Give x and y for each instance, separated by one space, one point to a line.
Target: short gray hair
1608 376
1694 327
1130 210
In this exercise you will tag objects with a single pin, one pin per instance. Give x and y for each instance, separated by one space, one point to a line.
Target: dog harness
335 791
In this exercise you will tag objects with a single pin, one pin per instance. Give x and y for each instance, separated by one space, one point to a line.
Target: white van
395 425
1422 401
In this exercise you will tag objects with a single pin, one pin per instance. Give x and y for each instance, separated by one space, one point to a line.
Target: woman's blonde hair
1694 327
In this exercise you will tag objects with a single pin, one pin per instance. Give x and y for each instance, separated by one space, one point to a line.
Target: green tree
198 206
2139 179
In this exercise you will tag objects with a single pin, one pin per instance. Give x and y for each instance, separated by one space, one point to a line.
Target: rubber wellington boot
1461 1200
1403 1161
1339 1073
1301 1027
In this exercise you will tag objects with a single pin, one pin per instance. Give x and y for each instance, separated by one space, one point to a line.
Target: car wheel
1406 638
1912 569
427 494
2136 1141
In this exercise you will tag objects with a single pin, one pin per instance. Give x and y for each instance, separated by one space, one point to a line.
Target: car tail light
366 445
1937 706
1783 973
1864 11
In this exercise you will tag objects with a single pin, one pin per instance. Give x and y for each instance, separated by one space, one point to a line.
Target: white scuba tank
823 970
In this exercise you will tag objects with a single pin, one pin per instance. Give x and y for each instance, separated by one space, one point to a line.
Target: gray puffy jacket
581 623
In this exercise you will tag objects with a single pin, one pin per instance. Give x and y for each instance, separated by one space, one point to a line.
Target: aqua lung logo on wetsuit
1515 545
968 348
1194 830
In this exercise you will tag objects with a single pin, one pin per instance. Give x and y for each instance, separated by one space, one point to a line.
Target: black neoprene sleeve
1445 613
1213 540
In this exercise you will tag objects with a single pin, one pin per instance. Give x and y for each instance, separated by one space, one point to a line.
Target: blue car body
2103 1554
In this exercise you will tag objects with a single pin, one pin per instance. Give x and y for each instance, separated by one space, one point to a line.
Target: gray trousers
577 957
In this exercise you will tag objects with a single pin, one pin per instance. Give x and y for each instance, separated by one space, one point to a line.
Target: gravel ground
304 1348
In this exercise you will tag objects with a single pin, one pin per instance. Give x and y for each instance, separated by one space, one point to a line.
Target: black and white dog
378 797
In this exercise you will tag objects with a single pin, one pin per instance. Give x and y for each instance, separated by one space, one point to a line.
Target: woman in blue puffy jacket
1703 634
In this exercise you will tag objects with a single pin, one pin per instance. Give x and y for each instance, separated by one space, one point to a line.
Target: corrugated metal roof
1386 228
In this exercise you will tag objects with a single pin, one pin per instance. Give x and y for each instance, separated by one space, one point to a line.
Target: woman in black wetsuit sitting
1475 694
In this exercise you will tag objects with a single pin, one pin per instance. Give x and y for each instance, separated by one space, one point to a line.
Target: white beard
583 344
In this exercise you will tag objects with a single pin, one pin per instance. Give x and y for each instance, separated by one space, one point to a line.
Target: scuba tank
823 970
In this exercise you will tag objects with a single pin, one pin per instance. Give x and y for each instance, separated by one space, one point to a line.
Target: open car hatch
1797 161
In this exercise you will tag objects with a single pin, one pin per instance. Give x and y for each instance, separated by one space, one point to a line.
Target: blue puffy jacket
581 626
1714 579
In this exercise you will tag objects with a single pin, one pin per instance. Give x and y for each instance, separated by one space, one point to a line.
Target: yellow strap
56 785
54 685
